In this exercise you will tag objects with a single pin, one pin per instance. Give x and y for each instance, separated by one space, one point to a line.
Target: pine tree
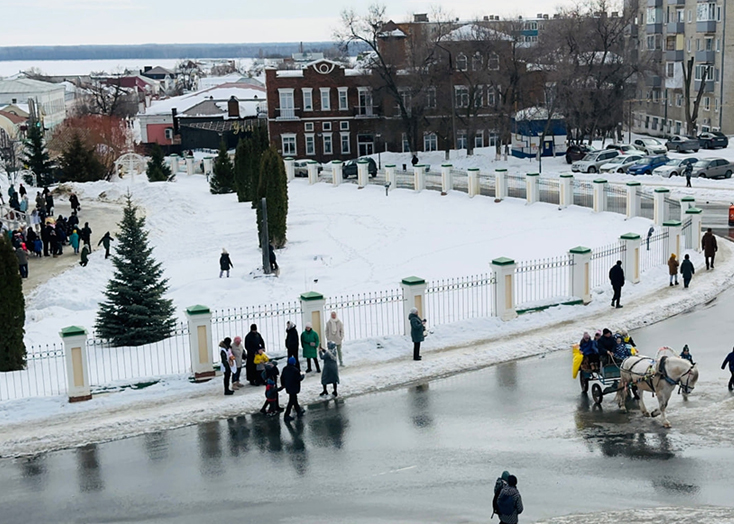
222 179
36 156
274 188
158 170
12 310
79 162
241 170
135 311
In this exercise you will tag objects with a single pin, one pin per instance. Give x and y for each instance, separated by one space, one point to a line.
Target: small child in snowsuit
271 399
38 247
686 354
260 359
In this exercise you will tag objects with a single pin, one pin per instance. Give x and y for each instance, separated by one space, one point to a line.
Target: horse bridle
685 387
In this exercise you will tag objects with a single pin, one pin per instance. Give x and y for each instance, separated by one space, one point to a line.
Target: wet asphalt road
424 454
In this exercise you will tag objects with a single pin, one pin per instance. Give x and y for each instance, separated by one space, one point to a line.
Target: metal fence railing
616 199
602 260
653 252
539 281
549 190
672 209
487 186
583 193
369 315
456 299
647 205
516 186
43 376
270 319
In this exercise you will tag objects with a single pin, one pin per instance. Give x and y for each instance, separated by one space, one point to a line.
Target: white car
621 163
675 167
591 162
651 146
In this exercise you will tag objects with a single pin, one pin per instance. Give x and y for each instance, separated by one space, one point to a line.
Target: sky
72 22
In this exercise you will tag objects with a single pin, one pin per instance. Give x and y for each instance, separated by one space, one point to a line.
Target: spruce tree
241 168
79 162
158 170
274 188
222 179
135 311
12 310
36 156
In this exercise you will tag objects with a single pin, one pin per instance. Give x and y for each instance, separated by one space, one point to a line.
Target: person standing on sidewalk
687 270
708 244
335 334
238 350
673 269
616 277
310 344
253 344
227 359
290 379
688 172
417 327
291 342
730 360
330 375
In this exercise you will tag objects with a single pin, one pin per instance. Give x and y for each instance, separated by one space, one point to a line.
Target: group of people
506 502
604 348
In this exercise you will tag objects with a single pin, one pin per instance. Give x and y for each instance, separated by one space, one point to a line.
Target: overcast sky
68 22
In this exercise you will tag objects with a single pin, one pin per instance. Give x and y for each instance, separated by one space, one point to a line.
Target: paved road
424 454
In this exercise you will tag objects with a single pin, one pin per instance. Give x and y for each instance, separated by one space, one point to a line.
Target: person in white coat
335 334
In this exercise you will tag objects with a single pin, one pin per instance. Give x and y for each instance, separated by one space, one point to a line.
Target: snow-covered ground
672 515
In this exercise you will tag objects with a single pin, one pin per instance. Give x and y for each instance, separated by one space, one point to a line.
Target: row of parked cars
349 168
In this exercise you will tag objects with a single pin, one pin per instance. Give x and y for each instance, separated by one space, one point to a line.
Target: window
479 139
288 144
287 109
310 144
169 133
655 96
491 100
462 96
431 98
461 62
326 126
654 123
688 45
328 149
325 99
708 44
308 126
493 62
364 101
653 42
701 69
677 127
307 99
680 15
698 44
406 99
706 12
670 69
343 100
689 16
461 139
344 126
430 142
345 143
718 45
476 62
716 104
706 103
406 144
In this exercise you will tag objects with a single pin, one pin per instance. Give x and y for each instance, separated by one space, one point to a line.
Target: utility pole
264 237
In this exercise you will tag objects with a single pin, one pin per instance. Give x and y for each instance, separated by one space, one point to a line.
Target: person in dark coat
227 359
414 160
330 374
416 332
708 244
687 270
73 220
40 201
22 254
49 204
86 235
84 256
291 342
616 277
106 239
509 502
273 263
499 484
686 354
290 379
224 263
21 190
253 343
606 345
74 201
730 360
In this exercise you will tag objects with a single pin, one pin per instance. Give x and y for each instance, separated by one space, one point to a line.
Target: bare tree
105 95
692 115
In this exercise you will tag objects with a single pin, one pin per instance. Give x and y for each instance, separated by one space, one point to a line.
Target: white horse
659 377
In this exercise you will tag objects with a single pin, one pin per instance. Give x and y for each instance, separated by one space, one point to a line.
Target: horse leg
622 396
663 404
643 408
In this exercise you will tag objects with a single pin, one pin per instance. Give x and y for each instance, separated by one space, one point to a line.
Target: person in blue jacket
730 360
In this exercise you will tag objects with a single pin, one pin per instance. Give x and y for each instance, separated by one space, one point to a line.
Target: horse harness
661 374
681 387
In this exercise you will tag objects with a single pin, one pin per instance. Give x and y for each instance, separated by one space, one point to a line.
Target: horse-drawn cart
603 381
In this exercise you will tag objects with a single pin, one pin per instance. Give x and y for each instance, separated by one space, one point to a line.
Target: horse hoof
666 425
645 413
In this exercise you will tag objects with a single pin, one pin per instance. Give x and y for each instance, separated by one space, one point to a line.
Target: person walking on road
730 360
74 201
417 326
708 244
290 379
291 342
310 344
105 241
687 270
330 375
673 269
224 263
335 334
86 235
253 343
499 484
616 277
509 502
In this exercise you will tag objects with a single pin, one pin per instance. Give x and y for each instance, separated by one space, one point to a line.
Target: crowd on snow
43 235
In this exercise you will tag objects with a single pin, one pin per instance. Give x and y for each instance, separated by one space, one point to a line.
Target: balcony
708 26
654 29
705 57
654 55
675 28
287 113
674 55
708 88
654 3
653 81
366 111
676 2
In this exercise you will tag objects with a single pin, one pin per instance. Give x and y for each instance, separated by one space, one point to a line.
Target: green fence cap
630 236
413 281
362 161
502 261
694 211
687 199
312 162
473 169
662 190
389 165
289 158
175 154
567 175
72 331
447 165
501 170
338 162
311 295
198 309
579 250
600 181
532 174
672 223
633 184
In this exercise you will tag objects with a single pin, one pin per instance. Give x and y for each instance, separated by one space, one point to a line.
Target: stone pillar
693 240
390 178
362 173
581 273
633 199
174 163
208 165
673 241
659 195
566 189
472 181
500 184
313 172
290 168
312 310
600 196
77 368
414 296
419 177
685 203
201 348
532 191
631 260
447 180
336 172
504 288
189 165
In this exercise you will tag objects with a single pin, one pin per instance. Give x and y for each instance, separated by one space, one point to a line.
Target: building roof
28 86
17 109
185 103
13 117
158 70
476 32
217 108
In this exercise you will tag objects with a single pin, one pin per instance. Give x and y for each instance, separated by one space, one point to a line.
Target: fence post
566 188
600 196
313 172
500 184
208 165
336 172
312 310
472 181
696 215
631 260
687 202
659 205
532 191
447 181
673 240
504 291
290 168
581 273
414 293
362 173
390 176
633 199
174 163
77 368
199 319
189 165
419 177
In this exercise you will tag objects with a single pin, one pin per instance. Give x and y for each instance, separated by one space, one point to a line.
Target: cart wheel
596 393
584 382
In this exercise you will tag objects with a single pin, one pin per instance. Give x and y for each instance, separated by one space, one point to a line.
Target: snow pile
671 515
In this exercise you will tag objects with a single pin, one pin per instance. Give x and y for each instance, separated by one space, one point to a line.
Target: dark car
647 164
350 167
576 152
681 143
713 140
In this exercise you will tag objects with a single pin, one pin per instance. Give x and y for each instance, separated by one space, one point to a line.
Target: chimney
545 16
174 114
233 108
486 18
540 15
420 17
147 68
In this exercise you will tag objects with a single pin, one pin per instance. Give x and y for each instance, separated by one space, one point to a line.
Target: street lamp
379 164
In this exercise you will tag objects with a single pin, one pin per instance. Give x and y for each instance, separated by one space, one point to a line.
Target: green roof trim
198 309
413 281
662 190
579 250
72 331
502 261
630 236
672 223
311 295
694 211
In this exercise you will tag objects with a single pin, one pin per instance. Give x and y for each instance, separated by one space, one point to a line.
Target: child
271 399
686 354
260 359
38 247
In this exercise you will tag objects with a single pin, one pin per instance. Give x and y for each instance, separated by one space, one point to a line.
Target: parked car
621 163
712 168
576 152
622 148
301 167
350 167
674 167
713 140
593 161
647 165
651 146
681 143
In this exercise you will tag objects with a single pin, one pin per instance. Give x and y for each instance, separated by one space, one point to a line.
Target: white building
49 97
